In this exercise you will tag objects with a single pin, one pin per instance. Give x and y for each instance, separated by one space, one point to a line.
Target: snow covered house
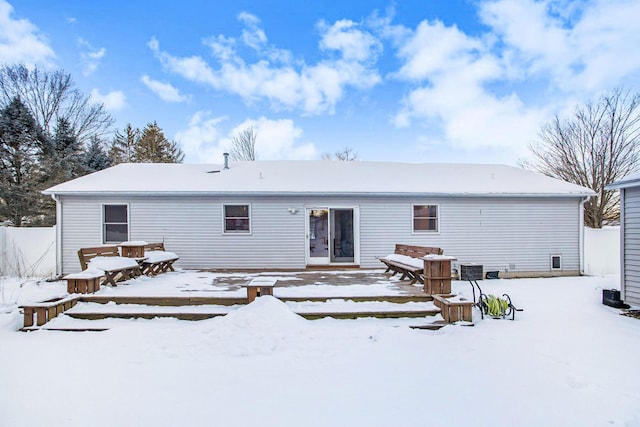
629 237
296 214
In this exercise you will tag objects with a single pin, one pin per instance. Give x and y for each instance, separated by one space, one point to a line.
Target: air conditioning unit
471 272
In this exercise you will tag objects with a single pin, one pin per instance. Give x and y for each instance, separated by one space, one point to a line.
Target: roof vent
226 160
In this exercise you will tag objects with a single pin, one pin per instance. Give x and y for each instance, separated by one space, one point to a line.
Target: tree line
50 132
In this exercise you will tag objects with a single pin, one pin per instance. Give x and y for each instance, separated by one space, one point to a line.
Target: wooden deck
182 307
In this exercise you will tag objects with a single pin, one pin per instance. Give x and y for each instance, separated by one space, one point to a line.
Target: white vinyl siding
631 245
506 234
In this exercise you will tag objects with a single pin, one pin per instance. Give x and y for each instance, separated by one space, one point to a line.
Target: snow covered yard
566 360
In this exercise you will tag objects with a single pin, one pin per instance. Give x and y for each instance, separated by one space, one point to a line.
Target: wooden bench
157 259
119 270
45 311
409 263
453 309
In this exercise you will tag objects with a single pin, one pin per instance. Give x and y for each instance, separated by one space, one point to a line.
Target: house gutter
311 193
581 239
56 198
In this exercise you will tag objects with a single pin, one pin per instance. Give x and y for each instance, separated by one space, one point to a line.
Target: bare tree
347 154
596 146
51 96
243 145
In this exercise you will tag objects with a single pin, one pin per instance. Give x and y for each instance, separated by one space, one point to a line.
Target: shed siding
631 245
506 234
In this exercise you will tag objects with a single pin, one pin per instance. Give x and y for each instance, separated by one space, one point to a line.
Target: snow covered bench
407 260
157 260
108 259
45 311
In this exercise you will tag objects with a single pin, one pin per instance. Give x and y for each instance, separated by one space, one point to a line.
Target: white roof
632 180
318 177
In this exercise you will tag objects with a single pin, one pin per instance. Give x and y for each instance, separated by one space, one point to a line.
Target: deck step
43 328
376 314
187 301
163 301
438 324
132 315
308 316
396 299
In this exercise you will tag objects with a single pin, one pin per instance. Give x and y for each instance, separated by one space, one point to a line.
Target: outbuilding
299 214
629 237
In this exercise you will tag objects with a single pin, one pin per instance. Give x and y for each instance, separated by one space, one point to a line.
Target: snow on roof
632 180
318 177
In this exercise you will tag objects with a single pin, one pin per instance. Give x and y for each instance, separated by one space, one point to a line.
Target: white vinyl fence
28 251
601 251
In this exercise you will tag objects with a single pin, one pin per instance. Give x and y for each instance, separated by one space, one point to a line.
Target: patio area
200 295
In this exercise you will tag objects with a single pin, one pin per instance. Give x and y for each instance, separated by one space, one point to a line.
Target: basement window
556 262
115 223
237 219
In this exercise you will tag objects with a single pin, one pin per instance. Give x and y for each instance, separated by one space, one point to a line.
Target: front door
331 236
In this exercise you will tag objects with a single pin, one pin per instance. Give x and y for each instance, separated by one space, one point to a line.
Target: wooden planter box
437 274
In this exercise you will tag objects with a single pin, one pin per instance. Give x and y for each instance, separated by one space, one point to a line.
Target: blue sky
414 80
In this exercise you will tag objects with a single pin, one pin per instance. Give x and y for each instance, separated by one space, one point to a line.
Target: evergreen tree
63 157
123 145
64 153
154 147
96 158
21 144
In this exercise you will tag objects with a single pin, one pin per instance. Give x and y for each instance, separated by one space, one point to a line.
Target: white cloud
455 100
276 139
315 89
221 47
435 49
580 47
204 142
90 57
113 101
200 139
346 37
164 90
20 41
252 35
476 91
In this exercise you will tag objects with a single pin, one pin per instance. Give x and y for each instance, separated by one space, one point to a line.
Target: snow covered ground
567 360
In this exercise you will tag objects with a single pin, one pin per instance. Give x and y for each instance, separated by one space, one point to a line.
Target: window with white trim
237 219
425 218
115 223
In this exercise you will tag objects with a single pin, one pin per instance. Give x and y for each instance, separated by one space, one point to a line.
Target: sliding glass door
331 236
